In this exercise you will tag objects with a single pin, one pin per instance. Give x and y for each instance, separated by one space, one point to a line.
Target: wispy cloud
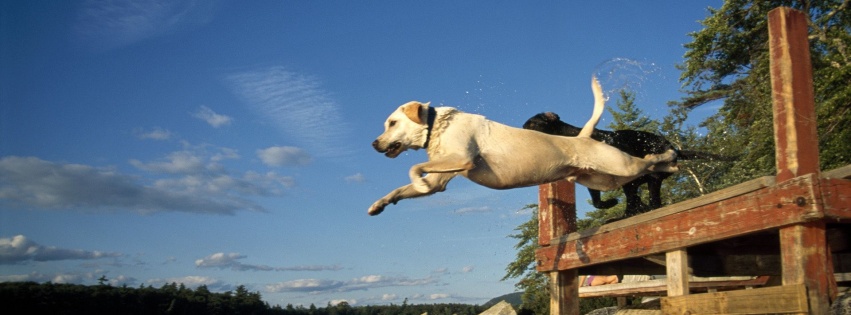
19 248
468 210
356 178
214 119
184 182
297 105
284 156
231 261
156 133
362 283
104 25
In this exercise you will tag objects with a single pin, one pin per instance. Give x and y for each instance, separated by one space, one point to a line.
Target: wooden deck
794 226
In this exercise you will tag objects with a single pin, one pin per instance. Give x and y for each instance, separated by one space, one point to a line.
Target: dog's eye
391 123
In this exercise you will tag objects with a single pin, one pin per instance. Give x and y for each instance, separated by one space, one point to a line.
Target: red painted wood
804 260
792 94
556 210
794 201
803 247
837 198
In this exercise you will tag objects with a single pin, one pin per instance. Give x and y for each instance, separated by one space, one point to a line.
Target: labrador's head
406 128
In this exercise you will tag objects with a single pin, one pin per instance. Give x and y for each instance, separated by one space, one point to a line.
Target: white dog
502 157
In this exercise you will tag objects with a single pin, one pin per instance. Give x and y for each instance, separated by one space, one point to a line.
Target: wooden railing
786 217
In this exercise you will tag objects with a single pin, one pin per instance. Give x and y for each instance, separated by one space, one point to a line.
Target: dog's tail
697 155
599 105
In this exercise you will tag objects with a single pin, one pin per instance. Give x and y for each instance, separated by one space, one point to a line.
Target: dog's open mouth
393 150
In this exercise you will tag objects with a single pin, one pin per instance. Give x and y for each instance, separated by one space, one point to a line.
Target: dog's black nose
375 144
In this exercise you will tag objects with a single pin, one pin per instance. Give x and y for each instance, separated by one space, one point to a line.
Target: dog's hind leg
436 181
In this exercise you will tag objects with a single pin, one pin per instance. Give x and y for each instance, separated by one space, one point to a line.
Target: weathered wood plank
556 210
659 287
840 172
564 292
836 194
638 312
770 207
676 263
804 260
804 252
769 300
723 194
792 94
557 216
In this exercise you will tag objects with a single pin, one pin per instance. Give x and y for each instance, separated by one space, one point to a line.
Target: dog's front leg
438 183
452 164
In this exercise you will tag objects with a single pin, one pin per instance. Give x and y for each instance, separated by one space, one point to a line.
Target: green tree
533 284
728 61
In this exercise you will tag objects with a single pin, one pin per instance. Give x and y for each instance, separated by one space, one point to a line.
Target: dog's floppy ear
415 110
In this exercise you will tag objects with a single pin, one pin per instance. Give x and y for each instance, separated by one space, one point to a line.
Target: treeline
50 298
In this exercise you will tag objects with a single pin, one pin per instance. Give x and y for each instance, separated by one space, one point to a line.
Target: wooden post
564 292
557 217
803 246
676 263
556 210
792 94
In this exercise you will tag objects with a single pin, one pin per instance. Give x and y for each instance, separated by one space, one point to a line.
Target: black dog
632 142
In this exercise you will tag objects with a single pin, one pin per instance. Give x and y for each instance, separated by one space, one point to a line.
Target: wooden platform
794 226
757 206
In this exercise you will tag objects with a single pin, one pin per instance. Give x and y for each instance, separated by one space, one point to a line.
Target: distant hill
511 298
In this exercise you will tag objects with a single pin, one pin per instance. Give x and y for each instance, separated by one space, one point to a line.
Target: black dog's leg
655 187
600 204
634 205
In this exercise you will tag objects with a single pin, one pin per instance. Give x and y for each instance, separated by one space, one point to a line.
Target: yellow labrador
502 157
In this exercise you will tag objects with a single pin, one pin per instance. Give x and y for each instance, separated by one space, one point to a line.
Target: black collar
432 114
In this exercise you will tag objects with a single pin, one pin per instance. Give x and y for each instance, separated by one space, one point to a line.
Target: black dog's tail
697 155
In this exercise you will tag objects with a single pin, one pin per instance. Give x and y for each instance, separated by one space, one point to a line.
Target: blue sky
227 143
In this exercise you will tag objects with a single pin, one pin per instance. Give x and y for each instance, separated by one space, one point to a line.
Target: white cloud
32 182
180 162
466 210
19 249
104 25
297 105
155 134
389 297
284 156
208 115
230 261
438 296
356 178
468 269
361 283
305 285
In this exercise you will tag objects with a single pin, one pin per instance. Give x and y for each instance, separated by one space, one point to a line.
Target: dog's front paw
377 207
